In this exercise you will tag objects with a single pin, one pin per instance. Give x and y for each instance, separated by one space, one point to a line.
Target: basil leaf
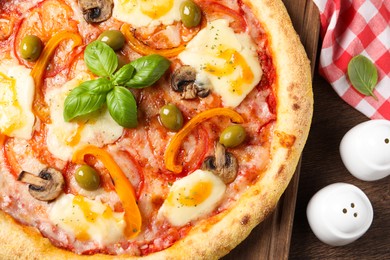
100 59
148 70
89 96
123 75
97 86
122 107
363 75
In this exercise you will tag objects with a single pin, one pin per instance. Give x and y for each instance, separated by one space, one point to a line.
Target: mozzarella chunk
64 138
87 219
16 97
192 197
226 60
144 13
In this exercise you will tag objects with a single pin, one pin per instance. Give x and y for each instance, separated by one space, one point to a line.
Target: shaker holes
352 206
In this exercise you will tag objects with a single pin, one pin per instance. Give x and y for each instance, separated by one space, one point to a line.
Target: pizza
156 129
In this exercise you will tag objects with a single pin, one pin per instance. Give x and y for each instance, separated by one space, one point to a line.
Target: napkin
350 28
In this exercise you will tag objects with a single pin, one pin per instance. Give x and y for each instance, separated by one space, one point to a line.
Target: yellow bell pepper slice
144 49
40 107
177 139
123 187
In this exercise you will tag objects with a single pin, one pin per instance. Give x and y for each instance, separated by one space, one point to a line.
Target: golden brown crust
294 112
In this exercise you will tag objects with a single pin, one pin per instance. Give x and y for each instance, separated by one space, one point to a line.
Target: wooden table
321 166
287 235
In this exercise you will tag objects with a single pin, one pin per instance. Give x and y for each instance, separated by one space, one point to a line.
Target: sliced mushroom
96 11
47 186
222 164
183 80
202 90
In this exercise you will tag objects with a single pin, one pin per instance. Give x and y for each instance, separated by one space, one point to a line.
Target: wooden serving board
271 239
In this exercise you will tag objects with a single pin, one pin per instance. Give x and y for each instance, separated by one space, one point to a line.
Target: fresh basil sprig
363 75
121 99
112 87
123 75
89 96
148 69
100 59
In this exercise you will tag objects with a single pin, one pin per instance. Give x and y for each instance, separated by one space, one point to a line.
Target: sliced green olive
171 117
31 47
113 38
232 136
190 14
87 178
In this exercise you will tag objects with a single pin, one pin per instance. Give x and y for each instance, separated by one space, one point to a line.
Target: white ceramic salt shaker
339 214
365 150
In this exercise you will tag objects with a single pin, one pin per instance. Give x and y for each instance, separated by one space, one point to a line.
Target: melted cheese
224 59
87 219
16 97
192 197
63 138
143 13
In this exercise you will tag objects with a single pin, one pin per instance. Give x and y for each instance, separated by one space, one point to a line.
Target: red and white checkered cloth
350 28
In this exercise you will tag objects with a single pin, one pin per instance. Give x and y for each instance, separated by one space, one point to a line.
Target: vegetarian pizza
156 129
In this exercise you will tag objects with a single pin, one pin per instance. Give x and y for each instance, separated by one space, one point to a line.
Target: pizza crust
216 236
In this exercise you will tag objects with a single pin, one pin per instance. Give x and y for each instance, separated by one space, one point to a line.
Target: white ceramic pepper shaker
365 150
339 214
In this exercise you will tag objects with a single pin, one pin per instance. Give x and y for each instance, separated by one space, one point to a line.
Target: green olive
113 38
87 178
171 117
190 14
31 47
232 136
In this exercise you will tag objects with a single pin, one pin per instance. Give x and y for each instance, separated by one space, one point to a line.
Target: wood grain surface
321 166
